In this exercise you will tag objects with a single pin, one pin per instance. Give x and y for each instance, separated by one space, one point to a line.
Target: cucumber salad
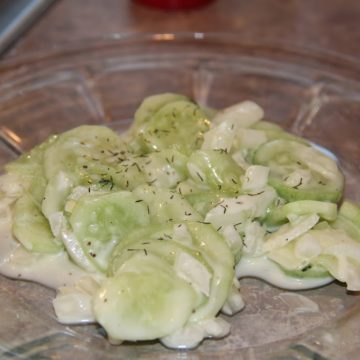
148 233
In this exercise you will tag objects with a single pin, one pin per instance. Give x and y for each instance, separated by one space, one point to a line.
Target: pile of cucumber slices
164 219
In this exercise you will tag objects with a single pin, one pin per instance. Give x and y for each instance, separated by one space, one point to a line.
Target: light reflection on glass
164 37
11 138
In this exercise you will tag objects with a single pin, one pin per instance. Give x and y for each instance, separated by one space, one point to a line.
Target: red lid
174 4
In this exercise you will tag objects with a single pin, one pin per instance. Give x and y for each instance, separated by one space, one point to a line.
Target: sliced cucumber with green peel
179 125
216 169
274 132
145 301
86 153
218 255
150 106
32 229
350 211
56 193
278 216
308 271
290 231
331 249
30 170
300 172
208 248
348 219
140 237
203 202
100 221
267 126
165 168
165 205
30 164
161 241
298 267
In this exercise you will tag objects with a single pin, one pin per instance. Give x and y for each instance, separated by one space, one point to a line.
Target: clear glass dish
316 95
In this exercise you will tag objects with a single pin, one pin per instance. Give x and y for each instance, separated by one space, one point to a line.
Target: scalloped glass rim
338 64
204 56
118 39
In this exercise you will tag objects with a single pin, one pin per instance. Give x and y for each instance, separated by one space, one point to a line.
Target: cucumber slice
348 226
88 154
350 211
29 164
56 193
274 132
30 171
348 219
189 186
186 261
249 139
179 125
158 241
144 301
317 192
208 248
218 255
139 237
31 228
278 216
238 211
165 205
100 221
300 172
150 106
165 168
216 169
283 135
267 126
290 231
308 271
298 266
203 202
330 249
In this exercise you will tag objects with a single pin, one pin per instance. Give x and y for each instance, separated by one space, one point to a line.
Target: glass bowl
102 81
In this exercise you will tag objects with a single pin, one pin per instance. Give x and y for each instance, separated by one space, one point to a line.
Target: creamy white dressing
193 271
220 137
74 308
262 268
290 232
73 304
256 178
299 176
192 334
232 237
253 239
52 270
239 158
234 302
75 250
164 173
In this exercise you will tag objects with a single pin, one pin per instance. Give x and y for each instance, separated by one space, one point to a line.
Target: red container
175 4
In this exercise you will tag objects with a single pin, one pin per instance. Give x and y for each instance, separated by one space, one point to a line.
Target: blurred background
330 25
